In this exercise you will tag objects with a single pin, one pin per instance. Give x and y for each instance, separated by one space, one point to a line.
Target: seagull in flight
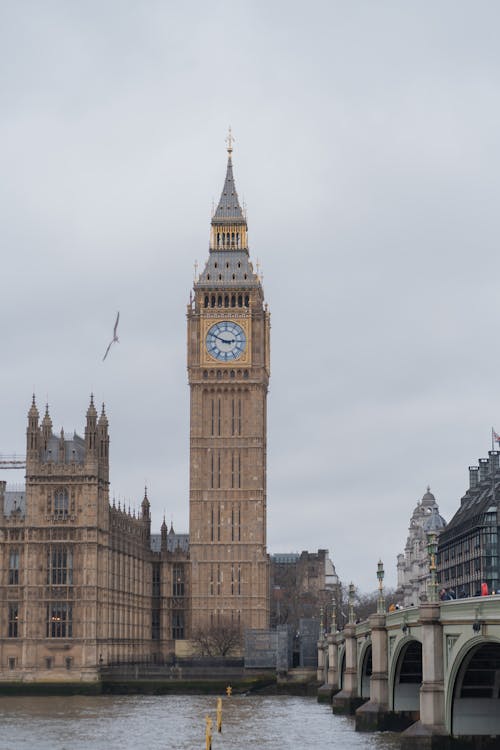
115 337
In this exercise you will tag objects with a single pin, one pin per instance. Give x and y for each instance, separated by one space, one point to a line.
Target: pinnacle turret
229 225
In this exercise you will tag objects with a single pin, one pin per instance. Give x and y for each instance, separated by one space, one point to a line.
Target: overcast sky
367 152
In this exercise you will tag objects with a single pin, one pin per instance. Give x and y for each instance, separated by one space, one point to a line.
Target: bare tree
365 603
220 639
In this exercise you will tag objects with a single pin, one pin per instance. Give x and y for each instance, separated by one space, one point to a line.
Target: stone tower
228 368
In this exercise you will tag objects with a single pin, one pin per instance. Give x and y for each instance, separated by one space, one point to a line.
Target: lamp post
432 551
333 622
380 600
352 591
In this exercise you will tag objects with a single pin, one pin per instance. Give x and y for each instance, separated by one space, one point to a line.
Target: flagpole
493 468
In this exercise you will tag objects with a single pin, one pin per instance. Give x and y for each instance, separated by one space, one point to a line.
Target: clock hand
225 341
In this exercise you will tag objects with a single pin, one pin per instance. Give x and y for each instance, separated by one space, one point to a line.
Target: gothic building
228 366
84 583
413 564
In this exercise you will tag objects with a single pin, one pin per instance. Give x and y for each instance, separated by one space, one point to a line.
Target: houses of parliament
83 582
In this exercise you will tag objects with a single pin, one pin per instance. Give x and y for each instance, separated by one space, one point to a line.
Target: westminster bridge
432 672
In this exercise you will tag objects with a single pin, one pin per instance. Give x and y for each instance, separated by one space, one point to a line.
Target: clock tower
228 368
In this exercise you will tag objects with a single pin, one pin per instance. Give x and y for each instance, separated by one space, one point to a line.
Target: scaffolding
12 461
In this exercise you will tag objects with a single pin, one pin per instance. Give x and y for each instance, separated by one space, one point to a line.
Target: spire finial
229 141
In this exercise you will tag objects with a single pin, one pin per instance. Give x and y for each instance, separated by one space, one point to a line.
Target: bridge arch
406 676
473 695
365 670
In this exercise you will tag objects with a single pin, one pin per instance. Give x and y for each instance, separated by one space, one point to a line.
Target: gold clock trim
207 359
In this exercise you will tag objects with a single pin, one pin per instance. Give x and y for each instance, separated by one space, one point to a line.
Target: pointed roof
229 206
33 412
91 411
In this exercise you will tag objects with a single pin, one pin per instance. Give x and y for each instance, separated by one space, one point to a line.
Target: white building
413 564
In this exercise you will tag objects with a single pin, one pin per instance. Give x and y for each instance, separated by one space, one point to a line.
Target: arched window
212 300
240 300
206 300
233 298
61 503
226 300
247 300
219 300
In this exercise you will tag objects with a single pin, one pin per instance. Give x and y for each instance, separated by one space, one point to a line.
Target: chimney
473 477
493 457
484 465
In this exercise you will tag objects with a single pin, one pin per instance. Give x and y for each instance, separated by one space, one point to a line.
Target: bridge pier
348 700
430 730
330 672
374 715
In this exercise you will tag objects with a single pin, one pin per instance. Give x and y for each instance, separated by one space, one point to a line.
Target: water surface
178 723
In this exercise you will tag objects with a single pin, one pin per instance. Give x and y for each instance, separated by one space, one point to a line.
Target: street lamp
333 623
380 576
352 591
432 551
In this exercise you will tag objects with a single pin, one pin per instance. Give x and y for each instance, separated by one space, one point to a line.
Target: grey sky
367 151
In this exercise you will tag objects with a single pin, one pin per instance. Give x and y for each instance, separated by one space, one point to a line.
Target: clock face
226 341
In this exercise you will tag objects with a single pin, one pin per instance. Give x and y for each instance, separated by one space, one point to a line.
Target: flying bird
115 337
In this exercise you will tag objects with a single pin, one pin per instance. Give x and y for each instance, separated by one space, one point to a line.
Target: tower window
215 264
226 300
219 300
240 300
13 621
59 620
177 625
233 298
178 580
247 300
212 300
59 566
206 300
14 567
61 503
208 277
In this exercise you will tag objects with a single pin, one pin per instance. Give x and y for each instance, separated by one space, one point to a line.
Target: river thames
177 723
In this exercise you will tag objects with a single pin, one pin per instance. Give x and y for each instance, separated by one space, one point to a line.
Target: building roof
14 502
74 449
285 558
175 542
479 506
228 209
228 268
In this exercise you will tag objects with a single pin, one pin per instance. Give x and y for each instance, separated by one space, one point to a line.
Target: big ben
228 368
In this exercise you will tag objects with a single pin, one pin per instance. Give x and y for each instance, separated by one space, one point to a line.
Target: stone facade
80 579
413 564
228 367
301 586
